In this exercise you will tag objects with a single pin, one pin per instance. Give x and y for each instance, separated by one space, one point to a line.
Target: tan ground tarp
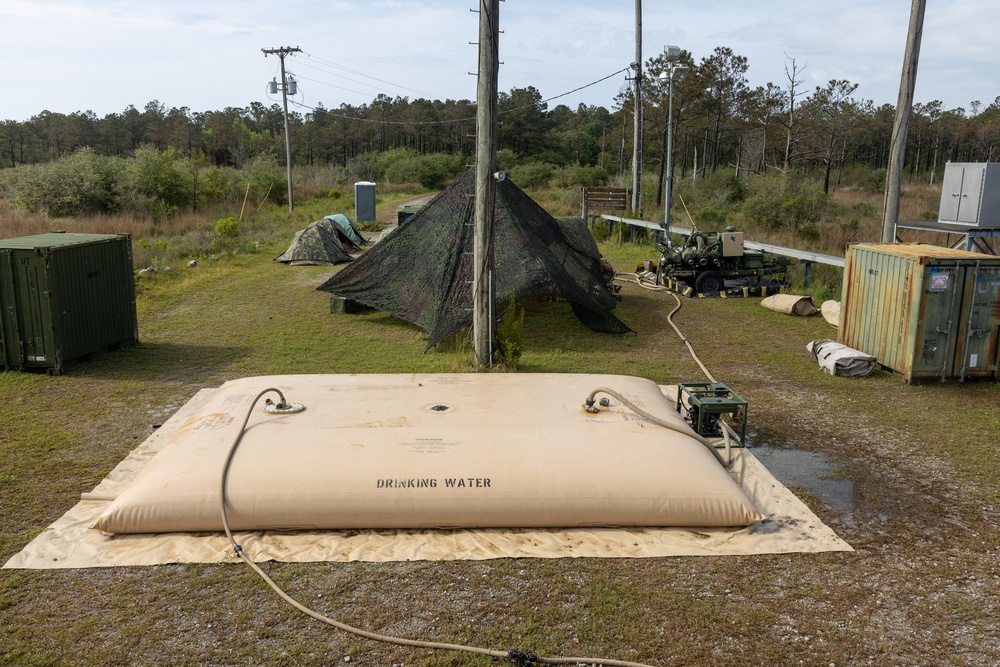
71 543
790 304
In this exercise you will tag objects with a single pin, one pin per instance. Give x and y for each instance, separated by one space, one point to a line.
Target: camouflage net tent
422 273
319 243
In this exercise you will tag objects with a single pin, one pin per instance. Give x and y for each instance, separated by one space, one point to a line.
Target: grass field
922 587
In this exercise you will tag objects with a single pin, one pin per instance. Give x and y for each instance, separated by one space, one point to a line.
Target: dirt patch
921 589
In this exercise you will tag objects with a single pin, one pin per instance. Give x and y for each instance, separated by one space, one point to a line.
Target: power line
592 83
456 120
319 69
331 85
354 71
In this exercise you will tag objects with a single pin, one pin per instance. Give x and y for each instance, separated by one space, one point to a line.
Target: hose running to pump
588 405
727 432
520 658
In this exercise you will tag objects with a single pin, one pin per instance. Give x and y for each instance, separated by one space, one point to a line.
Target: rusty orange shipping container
924 312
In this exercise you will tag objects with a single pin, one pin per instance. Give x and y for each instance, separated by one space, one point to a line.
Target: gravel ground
922 587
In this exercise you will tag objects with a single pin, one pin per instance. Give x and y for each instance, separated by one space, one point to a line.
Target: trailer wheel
709 281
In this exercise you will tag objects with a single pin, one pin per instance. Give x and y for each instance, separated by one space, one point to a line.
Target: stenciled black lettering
424 483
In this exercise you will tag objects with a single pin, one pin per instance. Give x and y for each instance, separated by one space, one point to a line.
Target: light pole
674 72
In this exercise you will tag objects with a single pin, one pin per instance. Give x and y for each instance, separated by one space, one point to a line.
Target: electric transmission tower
286 87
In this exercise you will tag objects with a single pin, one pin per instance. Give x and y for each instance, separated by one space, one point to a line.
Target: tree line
721 123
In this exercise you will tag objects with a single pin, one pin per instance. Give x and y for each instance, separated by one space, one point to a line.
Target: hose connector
521 659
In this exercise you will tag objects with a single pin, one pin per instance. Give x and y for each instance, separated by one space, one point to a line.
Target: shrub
227 228
506 159
864 210
736 190
566 177
508 340
151 183
434 169
268 180
600 230
780 203
81 183
405 165
876 180
709 214
720 193
531 174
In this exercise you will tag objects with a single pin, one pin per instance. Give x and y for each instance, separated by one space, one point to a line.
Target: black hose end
522 659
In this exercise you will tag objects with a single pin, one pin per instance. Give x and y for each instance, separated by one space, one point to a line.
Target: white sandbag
790 304
838 359
420 451
831 312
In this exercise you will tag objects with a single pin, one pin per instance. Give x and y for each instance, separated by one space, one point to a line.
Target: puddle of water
812 471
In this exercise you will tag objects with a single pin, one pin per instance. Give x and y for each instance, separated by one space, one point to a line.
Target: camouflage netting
422 273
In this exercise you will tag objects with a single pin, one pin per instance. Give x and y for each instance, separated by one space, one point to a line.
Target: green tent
316 244
347 228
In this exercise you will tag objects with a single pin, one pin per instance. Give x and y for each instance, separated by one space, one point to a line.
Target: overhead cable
358 73
457 120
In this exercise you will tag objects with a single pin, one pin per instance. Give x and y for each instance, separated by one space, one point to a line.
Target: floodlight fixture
674 72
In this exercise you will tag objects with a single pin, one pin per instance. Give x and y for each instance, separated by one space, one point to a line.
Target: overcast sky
103 55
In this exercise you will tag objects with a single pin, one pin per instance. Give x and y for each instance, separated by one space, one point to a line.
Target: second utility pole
486 159
637 116
897 144
281 52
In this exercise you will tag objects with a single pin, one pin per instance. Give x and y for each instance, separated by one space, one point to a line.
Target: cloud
66 55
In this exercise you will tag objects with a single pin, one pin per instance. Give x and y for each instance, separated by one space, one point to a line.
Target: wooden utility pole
486 159
281 52
897 145
637 115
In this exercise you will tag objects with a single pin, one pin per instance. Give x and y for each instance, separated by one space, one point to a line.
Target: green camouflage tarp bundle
422 273
316 244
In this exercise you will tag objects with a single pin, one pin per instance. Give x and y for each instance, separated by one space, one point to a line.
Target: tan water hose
520 658
727 432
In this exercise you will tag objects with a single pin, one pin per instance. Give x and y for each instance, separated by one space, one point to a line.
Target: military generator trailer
708 259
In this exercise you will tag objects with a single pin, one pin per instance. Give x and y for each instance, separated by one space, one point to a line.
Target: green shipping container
63 298
924 312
